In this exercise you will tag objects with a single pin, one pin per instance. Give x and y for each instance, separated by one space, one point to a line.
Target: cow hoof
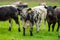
23 34
9 29
48 30
31 34
19 30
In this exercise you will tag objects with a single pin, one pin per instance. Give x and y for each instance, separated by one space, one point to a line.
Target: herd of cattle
31 16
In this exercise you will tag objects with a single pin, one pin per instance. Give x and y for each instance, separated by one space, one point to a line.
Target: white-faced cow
39 15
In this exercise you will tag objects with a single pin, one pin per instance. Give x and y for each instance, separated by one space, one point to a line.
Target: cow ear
45 7
29 10
54 7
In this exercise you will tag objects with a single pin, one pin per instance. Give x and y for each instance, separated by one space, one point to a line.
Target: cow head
29 10
21 7
50 10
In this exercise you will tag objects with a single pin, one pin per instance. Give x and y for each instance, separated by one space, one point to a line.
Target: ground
15 35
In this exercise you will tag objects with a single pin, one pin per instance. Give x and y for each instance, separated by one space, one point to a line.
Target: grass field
15 35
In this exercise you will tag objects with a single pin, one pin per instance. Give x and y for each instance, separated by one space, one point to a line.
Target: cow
27 19
53 16
40 12
9 12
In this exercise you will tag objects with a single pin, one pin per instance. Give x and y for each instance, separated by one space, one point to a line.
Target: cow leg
31 29
49 26
58 26
53 26
24 25
44 23
23 31
10 21
38 25
17 22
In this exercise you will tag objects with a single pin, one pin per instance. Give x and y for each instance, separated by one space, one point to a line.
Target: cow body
9 13
53 16
6 11
57 13
40 14
27 19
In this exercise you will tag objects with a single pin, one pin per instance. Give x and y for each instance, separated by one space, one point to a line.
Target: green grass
15 35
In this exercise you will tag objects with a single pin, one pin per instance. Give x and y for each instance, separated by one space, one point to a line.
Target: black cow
53 16
9 13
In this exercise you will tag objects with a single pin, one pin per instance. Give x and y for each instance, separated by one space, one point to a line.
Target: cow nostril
50 13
